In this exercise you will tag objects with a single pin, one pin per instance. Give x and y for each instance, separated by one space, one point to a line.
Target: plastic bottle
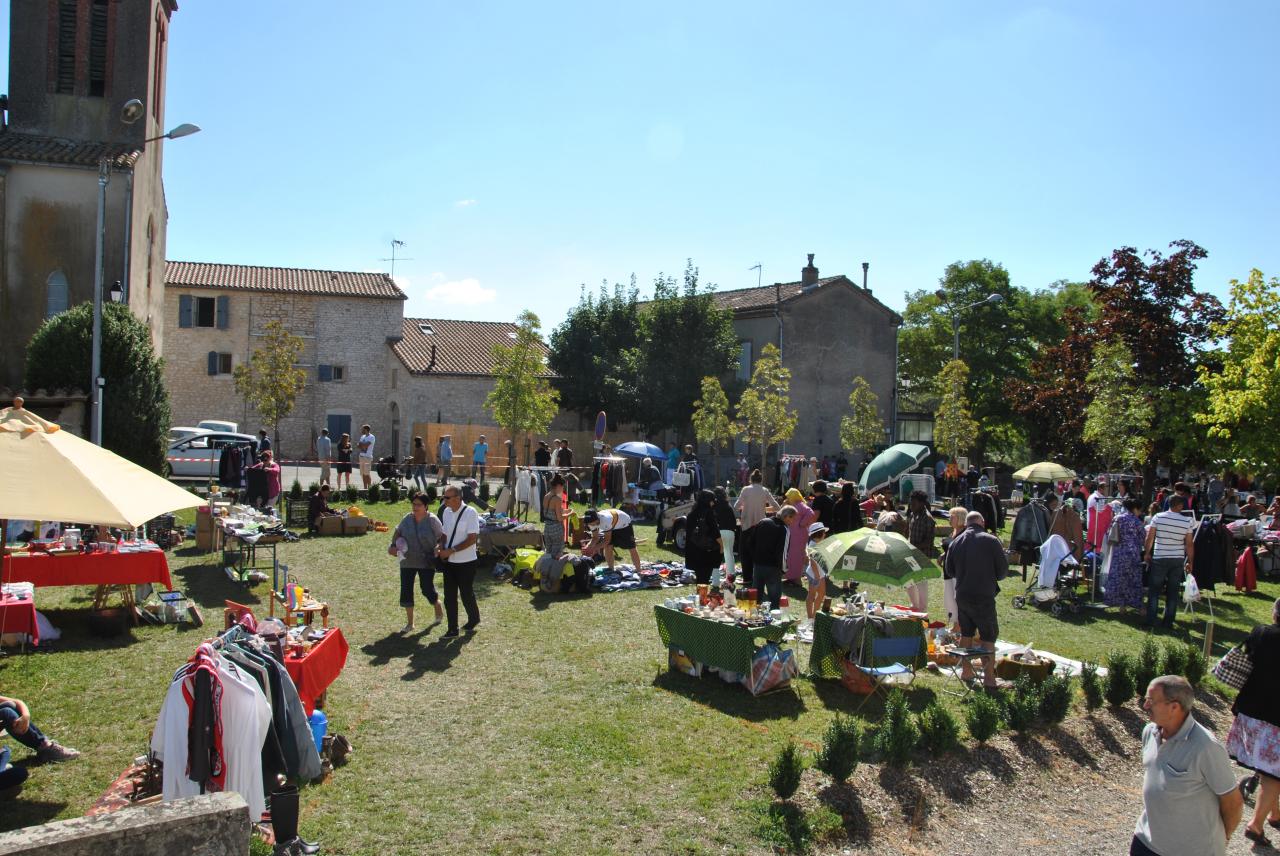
319 727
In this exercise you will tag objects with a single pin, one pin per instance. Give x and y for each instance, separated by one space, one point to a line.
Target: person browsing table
611 527
461 526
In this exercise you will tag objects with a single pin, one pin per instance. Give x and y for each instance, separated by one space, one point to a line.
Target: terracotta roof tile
331 283
41 149
461 347
764 296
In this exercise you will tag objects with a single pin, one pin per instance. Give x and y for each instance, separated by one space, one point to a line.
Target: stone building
73 67
829 330
214 317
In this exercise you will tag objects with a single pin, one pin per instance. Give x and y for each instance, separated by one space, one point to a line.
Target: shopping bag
681 477
1234 668
679 661
855 680
1190 590
772 668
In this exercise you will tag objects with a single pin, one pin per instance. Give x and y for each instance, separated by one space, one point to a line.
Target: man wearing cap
611 527
816 571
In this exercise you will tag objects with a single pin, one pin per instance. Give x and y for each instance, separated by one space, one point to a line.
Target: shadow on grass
835 697
208 586
1132 722
423 651
1072 748
844 800
1031 748
732 699
21 812
542 601
77 636
903 785
991 759
1107 737
786 827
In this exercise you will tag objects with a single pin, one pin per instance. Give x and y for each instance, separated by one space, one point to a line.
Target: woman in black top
344 459
727 523
846 514
1254 740
702 537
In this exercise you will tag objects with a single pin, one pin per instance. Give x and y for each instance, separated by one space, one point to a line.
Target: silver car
195 457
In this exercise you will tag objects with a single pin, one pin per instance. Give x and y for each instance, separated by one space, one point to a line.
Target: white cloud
461 292
464 203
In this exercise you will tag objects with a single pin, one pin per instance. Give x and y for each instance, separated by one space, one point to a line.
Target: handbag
681 477
1234 668
1113 534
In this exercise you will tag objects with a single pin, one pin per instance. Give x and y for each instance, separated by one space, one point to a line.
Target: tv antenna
759 269
394 244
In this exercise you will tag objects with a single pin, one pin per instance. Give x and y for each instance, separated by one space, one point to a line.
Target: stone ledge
209 825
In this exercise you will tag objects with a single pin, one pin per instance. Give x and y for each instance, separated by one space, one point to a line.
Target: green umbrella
874 558
892 462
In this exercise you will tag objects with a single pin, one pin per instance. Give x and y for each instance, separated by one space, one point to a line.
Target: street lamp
131 112
991 300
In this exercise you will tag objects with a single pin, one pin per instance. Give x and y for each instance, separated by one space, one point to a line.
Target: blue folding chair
902 649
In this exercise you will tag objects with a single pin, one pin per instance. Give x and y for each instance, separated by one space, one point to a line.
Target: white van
219 425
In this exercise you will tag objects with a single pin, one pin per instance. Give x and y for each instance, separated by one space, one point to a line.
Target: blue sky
521 149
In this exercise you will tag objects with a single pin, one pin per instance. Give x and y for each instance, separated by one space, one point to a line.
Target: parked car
196 457
671 525
179 432
218 425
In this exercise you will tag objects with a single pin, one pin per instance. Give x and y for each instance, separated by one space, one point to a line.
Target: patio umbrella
639 449
875 558
50 474
1045 471
892 462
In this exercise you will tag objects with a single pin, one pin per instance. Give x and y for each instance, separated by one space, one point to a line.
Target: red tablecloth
19 616
313 673
88 569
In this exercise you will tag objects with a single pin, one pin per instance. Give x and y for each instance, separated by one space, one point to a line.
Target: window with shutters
98 48
56 294
224 364
66 80
206 314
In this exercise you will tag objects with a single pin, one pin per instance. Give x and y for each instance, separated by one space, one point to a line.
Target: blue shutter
326 372
222 314
184 310
213 362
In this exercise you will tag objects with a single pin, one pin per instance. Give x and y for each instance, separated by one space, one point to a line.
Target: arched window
55 291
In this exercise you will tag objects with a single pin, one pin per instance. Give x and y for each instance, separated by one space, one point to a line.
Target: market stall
318 666
827 656
727 646
503 540
18 615
72 568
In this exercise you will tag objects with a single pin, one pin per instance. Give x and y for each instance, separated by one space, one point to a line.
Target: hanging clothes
1209 553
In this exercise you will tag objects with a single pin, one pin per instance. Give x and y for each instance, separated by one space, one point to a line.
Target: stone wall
209 825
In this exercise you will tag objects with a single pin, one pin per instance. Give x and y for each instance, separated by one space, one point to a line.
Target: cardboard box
344 525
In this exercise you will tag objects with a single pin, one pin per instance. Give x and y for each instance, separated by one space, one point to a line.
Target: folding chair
903 649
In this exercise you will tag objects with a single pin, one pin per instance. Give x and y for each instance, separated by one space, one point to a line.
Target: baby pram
1057 586
386 468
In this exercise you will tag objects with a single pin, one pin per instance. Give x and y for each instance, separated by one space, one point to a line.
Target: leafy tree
862 428
954 430
685 337
1118 420
711 422
135 410
522 400
270 382
1052 396
1240 409
595 353
1150 303
762 413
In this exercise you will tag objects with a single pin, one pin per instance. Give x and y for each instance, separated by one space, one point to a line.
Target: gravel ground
1073 789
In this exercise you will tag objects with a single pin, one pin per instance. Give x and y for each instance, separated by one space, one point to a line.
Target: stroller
471 491
386 468
1057 588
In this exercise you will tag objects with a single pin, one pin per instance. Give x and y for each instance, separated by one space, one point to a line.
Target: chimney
865 265
809 273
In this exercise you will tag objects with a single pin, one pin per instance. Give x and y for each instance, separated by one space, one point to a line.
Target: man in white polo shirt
461 525
365 445
1169 551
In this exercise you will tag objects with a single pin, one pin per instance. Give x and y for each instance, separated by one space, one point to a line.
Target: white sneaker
408 628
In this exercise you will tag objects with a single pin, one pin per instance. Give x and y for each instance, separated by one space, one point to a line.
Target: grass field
555 728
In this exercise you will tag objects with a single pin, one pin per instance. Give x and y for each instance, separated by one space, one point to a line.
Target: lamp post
991 300
130 113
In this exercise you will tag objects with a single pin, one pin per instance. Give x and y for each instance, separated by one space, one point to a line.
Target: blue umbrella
639 449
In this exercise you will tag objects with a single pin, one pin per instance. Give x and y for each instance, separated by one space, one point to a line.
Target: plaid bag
1234 668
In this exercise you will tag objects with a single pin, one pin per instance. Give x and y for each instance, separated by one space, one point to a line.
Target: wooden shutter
223 314
184 310
325 372
213 362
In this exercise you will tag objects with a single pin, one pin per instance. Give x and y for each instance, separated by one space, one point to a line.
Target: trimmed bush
352 494
1148 667
1022 706
1055 698
1120 683
1091 684
897 735
983 718
785 770
392 487
312 488
295 490
432 493
484 493
840 747
939 730
1196 667
374 494
1175 658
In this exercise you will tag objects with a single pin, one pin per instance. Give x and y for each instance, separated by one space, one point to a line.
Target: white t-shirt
367 454
1171 529
468 525
611 519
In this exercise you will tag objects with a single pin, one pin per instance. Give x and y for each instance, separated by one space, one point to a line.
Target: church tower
74 65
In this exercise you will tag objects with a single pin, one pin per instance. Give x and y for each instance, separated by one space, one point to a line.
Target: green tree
135 410
711 422
862 428
595 353
954 429
522 400
1118 420
1240 409
762 412
685 338
270 382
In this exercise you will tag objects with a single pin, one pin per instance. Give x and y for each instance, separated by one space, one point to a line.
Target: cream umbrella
1045 471
50 474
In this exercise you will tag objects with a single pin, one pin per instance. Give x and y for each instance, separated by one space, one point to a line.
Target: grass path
555 728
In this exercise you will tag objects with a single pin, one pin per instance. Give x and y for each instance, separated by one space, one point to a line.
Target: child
815 571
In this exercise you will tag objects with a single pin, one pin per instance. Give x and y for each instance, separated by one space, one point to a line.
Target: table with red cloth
88 569
19 616
314 671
